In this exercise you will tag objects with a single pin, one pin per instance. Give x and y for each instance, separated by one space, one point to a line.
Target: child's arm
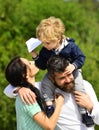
41 58
76 56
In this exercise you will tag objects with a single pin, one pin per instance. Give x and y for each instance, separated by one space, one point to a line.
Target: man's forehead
59 74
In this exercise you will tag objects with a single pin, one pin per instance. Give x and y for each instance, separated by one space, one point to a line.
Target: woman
21 72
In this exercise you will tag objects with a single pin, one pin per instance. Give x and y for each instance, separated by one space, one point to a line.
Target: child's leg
49 105
79 86
49 108
86 119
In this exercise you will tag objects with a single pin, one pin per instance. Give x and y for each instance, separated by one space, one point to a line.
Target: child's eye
47 43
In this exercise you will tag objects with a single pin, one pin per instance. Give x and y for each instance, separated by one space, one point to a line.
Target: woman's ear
27 77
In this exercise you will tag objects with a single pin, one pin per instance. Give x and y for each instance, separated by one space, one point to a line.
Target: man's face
64 81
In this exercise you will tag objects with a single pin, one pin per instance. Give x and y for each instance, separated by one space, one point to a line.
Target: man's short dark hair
56 64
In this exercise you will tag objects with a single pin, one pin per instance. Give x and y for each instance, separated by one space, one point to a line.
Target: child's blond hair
50 29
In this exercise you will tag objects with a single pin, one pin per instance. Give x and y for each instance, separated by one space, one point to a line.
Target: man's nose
67 79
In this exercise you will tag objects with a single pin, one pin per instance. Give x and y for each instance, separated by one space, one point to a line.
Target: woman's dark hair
15 74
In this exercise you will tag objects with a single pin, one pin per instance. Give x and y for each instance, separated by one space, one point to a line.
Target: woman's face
32 70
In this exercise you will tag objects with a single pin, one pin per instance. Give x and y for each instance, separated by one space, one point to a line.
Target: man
70 118
57 77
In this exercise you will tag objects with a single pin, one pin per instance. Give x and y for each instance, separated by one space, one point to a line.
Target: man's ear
51 78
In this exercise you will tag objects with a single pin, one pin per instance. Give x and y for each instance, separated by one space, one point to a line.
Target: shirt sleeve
43 57
95 112
74 53
32 109
77 56
9 91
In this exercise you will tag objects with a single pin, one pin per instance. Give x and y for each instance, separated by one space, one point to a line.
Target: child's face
50 45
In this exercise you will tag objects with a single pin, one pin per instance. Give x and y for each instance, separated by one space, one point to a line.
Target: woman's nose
32 62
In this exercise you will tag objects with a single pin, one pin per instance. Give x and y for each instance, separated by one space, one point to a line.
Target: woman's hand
27 96
59 99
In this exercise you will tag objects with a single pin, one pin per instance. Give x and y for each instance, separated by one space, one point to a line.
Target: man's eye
62 78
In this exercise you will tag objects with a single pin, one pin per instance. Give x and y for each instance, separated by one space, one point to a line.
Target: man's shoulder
47 82
87 84
46 79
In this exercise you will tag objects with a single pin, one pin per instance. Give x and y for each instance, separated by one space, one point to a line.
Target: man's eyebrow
62 77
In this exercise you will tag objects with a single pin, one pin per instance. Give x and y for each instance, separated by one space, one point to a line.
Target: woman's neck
32 81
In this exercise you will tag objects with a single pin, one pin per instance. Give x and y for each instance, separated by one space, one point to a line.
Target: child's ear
51 78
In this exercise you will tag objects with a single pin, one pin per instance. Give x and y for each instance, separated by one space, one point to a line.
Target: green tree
18 21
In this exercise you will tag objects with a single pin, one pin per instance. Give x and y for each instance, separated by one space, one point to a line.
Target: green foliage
18 21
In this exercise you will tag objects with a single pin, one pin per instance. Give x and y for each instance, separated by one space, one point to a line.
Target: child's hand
70 68
32 44
34 54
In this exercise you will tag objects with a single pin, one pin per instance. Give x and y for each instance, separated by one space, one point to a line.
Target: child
51 33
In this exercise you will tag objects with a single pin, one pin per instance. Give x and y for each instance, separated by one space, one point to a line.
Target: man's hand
83 100
27 96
